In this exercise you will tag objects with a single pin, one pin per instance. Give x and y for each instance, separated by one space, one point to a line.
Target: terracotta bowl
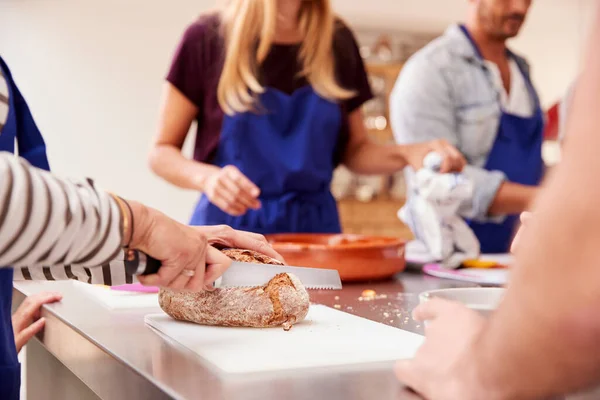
356 257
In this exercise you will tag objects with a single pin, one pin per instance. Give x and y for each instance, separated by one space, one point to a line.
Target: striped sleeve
54 229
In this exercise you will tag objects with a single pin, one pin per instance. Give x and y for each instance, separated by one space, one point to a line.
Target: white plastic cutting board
115 299
326 338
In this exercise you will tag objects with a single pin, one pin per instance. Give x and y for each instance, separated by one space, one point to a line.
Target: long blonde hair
249 30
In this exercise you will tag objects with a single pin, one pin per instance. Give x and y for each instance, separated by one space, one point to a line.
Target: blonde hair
249 30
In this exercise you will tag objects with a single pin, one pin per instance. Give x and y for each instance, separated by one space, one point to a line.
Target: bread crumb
337 306
368 293
337 297
386 314
260 291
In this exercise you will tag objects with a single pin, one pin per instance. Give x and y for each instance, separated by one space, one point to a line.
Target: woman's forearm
168 163
49 221
370 158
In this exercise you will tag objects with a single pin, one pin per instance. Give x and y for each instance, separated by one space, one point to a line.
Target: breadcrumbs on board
337 297
337 306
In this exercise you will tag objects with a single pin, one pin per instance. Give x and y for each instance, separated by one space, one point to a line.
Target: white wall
92 71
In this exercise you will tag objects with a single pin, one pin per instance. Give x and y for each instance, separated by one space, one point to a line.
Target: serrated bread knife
242 274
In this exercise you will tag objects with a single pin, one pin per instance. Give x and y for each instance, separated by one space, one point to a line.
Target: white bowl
483 300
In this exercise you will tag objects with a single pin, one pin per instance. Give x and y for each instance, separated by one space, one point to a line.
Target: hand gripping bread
283 301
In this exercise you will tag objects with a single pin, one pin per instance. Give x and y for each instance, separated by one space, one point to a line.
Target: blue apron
287 149
20 126
517 151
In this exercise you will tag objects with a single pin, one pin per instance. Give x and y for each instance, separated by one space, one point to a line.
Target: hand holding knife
241 274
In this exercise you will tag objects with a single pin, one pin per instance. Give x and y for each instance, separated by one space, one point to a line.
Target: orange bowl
356 257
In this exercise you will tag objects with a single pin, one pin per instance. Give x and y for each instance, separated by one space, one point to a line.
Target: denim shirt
444 92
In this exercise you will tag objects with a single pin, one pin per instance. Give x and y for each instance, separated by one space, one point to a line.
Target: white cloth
432 214
518 102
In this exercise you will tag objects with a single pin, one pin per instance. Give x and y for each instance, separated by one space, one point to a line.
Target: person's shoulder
343 34
207 25
436 54
345 45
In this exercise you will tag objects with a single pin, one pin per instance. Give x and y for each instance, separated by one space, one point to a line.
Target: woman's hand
188 262
227 236
231 191
26 320
452 159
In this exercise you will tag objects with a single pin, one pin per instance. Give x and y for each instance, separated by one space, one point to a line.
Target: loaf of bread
283 301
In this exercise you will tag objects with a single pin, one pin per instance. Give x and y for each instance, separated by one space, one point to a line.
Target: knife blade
241 274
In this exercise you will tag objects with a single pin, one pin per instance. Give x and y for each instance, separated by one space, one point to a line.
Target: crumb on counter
368 293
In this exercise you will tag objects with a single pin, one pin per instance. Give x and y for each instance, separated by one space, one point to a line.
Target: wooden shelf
387 70
377 217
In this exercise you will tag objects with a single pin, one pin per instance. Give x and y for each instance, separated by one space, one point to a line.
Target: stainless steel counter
88 352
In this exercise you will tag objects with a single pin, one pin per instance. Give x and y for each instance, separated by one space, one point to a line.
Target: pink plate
136 287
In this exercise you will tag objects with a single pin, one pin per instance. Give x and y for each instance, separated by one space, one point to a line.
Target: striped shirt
54 229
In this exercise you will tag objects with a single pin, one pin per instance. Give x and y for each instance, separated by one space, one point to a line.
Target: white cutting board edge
116 299
328 338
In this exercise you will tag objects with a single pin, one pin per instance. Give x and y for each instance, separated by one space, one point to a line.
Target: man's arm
512 198
543 340
422 108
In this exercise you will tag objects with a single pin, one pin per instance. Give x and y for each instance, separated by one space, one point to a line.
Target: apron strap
479 56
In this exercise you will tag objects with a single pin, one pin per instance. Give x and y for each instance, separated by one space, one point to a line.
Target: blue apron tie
517 151
20 126
287 149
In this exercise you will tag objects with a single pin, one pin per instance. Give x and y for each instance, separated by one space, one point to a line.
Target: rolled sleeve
485 187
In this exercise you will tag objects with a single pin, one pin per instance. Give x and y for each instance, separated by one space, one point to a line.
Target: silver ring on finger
188 272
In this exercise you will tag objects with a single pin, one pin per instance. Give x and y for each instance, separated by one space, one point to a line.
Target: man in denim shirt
468 88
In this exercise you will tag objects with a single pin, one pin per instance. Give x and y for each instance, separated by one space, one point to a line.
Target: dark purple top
198 61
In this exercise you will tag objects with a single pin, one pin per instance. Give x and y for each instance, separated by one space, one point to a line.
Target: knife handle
139 263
